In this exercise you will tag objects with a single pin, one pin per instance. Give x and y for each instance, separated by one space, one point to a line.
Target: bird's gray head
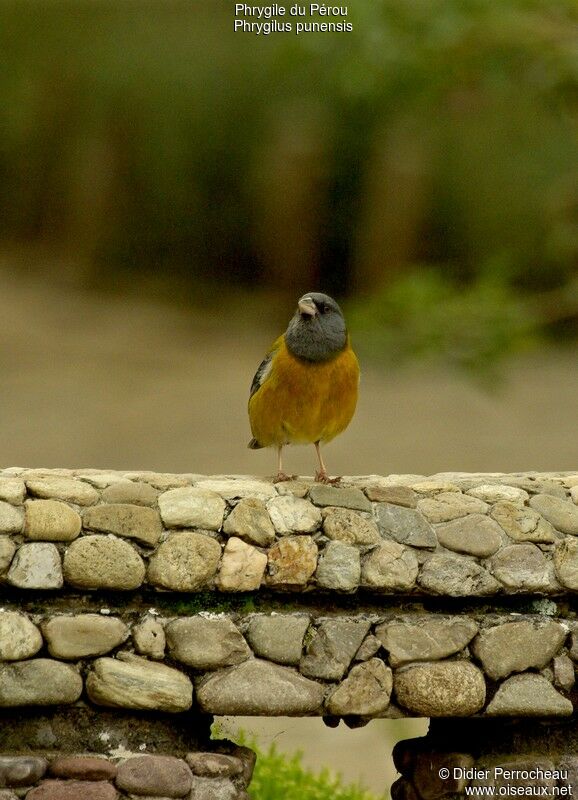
317 331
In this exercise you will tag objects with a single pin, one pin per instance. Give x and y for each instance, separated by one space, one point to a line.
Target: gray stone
457 576
534 486
187 507
441 689
333 647
137 494
528 695
21 770
398 495
155 775
250 520
294 487
450 505
475 535
291 514
517 646
51 521
405 525
38 682
242 568
345 497
523 524
185 562
82 635
215 765
292 561
390 567
523 568
149 638
235 488
36 566
368 648
134 682
564 676
259 688
365 692
566 563
339 567
103 562
434 486
215 789
205 643
562 514
426 638
130 521
70 490
494 493
278 637
428 782
12 490
11 518
19 638
7 550
344 525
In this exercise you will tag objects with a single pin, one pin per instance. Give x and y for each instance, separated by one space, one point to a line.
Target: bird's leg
281 476
321 475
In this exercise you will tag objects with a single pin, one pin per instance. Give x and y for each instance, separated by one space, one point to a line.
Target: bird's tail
254 445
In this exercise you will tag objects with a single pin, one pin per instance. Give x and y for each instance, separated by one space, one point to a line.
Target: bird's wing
264 369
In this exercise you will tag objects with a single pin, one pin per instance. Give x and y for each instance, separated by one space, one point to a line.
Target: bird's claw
281 477
323 477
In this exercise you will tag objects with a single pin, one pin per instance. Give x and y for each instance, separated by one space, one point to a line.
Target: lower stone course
197 776
481 758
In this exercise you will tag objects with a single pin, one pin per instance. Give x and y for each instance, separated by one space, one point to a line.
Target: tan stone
391 567
250 520
149 638
242 568
131 521
133 682
51 521
19 637
103 562
82 635
292 561
185 562
365 691
134 493
7 550
188 507
523 524
70 490
351 527
441 689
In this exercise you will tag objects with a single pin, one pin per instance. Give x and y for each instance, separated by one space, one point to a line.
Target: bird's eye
324 308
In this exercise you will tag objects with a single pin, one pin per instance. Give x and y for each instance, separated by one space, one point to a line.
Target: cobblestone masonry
144 593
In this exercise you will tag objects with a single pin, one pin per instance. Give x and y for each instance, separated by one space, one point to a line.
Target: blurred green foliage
427 161
282 777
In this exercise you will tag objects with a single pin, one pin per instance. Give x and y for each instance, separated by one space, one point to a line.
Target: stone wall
134 606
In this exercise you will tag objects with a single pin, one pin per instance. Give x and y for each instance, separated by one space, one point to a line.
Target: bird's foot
322 477
280 477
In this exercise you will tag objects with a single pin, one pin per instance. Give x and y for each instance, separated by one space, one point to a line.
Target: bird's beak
307 307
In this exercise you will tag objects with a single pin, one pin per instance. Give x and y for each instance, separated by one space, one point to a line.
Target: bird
305 389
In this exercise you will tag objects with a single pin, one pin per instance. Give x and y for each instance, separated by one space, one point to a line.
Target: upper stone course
453 534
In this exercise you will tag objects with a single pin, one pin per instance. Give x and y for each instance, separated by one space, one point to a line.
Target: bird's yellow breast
301 402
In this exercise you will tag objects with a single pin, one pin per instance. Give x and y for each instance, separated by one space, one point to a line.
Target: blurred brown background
169 188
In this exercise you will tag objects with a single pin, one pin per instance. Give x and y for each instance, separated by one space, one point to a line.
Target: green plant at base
282 777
